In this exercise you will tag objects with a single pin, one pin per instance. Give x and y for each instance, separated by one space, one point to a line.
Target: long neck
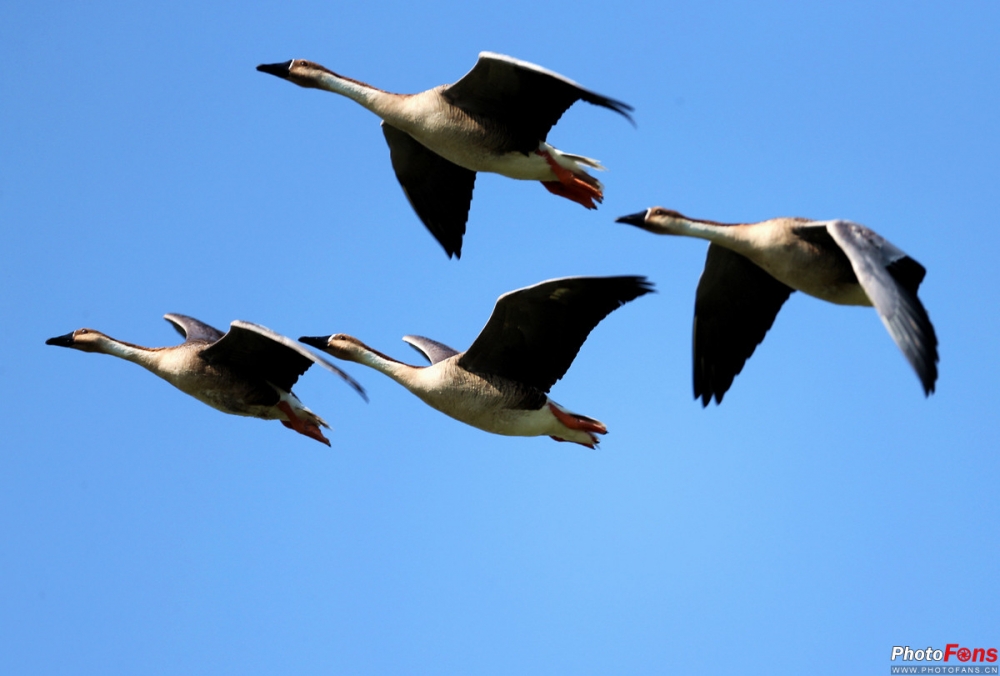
740 237
397 370
143 356
710 230
384 104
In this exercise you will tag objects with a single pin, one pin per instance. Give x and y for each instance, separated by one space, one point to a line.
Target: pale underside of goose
248 371
495 119
501 383
752 268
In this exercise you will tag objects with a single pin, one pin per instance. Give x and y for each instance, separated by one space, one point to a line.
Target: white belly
474 401
469 154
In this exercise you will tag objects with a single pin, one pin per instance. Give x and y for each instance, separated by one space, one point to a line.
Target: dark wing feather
907 272
526 99
192 329
890 278
534 333
259 352
734 307
438 190
431 349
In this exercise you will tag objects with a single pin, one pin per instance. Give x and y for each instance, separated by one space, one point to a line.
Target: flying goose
494 119
500 383
752 268
248 371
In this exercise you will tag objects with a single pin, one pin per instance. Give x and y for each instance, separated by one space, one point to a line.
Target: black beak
61 341
277 69
638 219
318 342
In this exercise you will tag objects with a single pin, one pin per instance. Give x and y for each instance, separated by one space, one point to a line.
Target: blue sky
824 513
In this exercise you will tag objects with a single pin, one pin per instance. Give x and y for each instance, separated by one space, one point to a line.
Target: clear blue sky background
824 513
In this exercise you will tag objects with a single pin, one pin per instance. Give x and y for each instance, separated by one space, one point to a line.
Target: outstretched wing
431 349
526 99
255 349
534 333
193 330
734 308
890 278
438 190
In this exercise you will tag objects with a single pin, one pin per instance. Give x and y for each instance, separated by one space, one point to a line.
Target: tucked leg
572 186
301 426
582 423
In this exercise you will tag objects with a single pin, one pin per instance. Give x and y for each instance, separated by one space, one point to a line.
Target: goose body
248 371
495 119
752 268
501 383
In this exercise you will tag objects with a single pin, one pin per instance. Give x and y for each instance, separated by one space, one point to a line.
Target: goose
248 371
500 384
495 119
752 268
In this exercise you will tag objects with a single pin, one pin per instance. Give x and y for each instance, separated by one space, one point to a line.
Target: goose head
301 72
85 340
658 220
339 345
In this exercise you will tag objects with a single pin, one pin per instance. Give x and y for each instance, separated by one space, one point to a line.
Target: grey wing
193 330
526 99
431 349
535 333
261 353
439 191
735 306
890 278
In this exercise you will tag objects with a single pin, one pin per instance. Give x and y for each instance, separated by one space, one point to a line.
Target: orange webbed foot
571 186
582 423
303 427
579 192
575 421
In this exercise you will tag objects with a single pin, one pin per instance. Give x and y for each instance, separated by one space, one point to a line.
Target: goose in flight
500 383
248 371
496 118
752 268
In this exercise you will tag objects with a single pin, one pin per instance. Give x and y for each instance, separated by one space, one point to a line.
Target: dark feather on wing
735 306
535 333
526 99
437 189
259 353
